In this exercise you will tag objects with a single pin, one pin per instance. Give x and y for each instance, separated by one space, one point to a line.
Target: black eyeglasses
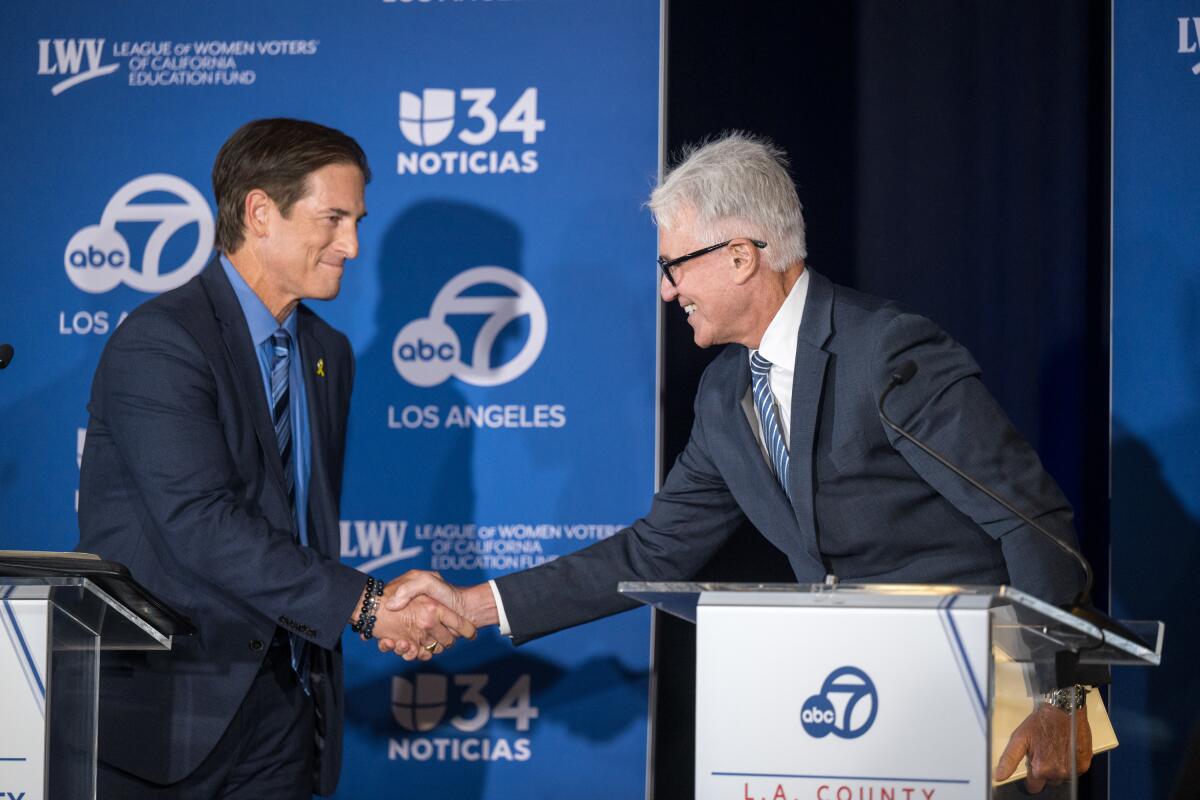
666 266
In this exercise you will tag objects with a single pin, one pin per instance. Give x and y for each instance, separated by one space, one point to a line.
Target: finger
1013 755
401 646
385 645
457 623
435 648
1046 767
441 635
1083 743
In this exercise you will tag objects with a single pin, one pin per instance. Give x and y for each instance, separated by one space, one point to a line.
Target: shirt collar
778 344
261 322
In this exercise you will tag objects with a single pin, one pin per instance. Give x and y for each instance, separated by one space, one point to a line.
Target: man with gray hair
788 436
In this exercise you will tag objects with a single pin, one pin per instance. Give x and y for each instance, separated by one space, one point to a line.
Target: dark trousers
267 751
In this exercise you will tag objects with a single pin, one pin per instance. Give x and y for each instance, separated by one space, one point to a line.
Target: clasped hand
423 625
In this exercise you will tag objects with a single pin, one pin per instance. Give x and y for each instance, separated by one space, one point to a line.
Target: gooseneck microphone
1068 670
902 375
6 354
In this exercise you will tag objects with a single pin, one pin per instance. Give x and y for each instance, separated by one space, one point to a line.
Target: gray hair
737 185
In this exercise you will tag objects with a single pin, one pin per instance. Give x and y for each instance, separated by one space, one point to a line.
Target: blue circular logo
817 716
846 706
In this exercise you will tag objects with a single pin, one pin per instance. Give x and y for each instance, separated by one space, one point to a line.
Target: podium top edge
683 598
915 590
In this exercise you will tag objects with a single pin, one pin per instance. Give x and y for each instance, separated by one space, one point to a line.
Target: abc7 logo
852 716
427 351
97 258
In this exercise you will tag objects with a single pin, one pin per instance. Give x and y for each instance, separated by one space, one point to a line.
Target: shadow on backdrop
1156 550
426 472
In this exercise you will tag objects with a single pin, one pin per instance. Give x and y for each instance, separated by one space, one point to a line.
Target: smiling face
708 288
303 253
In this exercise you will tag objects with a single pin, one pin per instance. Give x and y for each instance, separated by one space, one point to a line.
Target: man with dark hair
213 470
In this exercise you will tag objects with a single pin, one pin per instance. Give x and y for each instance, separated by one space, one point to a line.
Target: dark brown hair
277 156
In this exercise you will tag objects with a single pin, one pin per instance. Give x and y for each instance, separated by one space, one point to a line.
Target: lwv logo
1189 38
66 57
379 540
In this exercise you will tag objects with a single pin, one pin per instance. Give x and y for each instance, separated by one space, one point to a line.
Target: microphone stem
1087 569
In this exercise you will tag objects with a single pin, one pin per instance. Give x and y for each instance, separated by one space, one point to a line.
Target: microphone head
904 373
6 354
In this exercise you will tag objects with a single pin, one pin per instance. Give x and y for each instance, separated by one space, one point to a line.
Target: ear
746 261
257 212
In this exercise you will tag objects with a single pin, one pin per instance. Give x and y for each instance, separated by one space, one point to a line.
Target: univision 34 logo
846 705
421 706
429 117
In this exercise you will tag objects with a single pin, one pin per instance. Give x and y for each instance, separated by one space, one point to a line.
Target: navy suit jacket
867 506
181 480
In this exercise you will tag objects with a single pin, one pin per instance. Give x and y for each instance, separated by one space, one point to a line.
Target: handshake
420 615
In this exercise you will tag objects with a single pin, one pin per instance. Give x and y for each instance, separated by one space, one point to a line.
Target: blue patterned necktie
772 431
281 414
281 401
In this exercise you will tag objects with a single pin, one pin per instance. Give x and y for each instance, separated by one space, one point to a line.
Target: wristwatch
1067 699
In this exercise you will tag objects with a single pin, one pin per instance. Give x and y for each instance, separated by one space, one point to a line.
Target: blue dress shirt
262 326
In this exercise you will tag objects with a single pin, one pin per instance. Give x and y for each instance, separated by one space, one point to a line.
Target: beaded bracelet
369 629
370 607
373 589
365 625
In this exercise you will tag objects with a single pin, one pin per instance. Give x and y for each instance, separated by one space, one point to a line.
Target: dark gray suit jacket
868 506
181 481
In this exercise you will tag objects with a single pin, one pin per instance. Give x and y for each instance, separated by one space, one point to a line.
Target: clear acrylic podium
54 627
884 691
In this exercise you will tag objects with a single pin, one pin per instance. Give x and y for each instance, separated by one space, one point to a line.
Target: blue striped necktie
772 431
281 414
281 404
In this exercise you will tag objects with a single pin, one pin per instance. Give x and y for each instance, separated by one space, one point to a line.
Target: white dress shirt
778 345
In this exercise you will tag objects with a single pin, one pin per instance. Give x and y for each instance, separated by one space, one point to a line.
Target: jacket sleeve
156 396
690 518
946 405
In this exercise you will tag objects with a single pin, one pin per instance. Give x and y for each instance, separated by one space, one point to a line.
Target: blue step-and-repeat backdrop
502 311
1156 386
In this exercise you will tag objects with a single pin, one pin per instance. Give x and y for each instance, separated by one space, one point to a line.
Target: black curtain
952 156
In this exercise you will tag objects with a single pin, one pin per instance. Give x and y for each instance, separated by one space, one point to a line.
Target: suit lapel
747 448
236 337
322 516
808 383
748 474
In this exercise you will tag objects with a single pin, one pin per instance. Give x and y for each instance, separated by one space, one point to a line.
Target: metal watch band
1069 698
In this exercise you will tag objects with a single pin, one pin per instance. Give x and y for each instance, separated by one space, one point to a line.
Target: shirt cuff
504 629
